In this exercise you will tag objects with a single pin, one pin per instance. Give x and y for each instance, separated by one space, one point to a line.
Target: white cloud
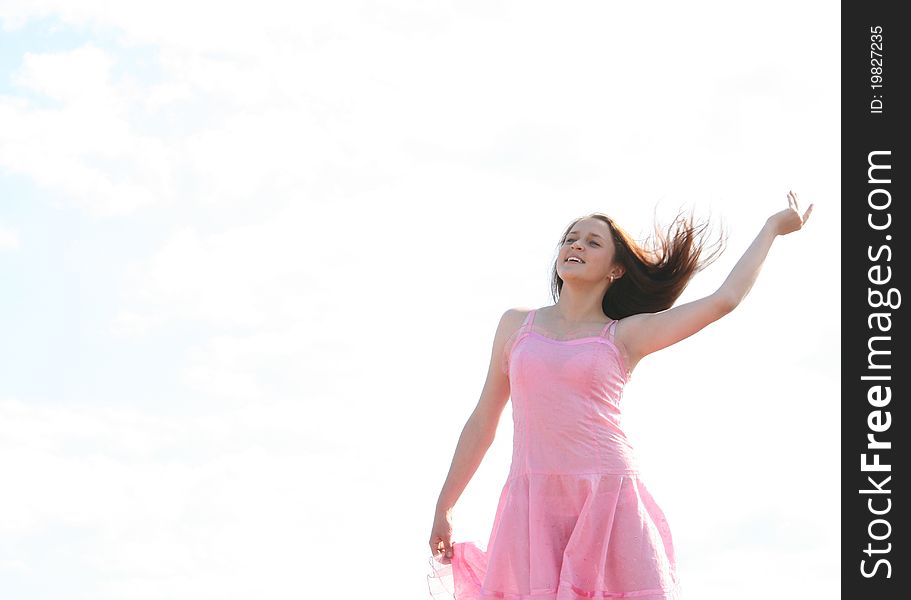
171 499
316 192
254 275
83 146
79 77
9 238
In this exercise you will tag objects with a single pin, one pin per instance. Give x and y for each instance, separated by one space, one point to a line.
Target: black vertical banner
875 367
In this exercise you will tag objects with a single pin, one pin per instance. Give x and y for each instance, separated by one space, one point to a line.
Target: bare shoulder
629 325
497 379
511 321
623 331
496 392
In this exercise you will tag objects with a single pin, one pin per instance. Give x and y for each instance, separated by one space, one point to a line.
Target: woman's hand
789 220
441 536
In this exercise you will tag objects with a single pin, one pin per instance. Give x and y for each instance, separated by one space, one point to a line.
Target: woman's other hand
441 536
790 219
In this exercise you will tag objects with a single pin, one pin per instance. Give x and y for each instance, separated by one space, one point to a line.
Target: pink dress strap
610 327
513 338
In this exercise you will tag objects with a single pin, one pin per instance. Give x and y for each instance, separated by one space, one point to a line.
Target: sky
253 258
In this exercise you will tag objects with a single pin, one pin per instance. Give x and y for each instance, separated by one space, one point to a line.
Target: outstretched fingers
792 202
806 215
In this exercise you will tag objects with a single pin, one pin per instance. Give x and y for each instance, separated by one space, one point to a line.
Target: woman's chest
580 363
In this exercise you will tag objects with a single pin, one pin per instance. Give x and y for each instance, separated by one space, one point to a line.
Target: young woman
574 520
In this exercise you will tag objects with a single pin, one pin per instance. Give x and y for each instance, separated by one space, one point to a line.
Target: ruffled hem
566 537
461 578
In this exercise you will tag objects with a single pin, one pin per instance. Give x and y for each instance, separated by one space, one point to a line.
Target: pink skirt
565 537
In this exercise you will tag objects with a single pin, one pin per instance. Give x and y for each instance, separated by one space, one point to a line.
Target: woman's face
590 240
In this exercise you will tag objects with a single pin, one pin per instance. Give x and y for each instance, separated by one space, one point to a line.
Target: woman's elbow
483 423
725 303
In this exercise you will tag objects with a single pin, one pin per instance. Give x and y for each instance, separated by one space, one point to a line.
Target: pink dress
574 520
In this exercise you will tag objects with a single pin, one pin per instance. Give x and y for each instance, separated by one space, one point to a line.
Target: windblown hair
657 272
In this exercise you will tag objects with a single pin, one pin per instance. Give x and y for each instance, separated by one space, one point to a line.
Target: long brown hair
655 273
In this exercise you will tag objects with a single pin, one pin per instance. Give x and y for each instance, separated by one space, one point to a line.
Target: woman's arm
645 333
477 436
480 429
743 275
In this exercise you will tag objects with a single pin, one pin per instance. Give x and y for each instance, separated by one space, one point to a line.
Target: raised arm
645 333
